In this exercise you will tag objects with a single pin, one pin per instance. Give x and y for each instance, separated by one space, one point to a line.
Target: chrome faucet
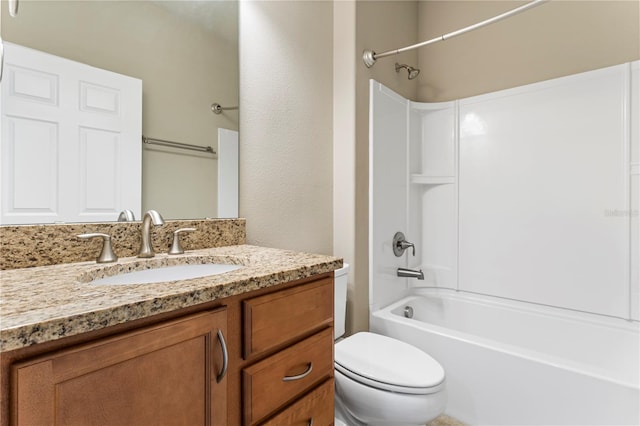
126 215
410 273
146 248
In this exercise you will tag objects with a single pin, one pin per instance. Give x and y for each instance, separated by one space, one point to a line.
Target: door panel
56 115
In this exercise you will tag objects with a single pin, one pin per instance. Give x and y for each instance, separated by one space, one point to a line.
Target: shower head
413 72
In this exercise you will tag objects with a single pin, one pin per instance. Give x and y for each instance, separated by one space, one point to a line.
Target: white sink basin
166 273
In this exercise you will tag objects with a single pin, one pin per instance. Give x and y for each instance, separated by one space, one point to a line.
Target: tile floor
444 420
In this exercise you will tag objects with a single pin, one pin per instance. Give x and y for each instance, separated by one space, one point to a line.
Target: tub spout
410 273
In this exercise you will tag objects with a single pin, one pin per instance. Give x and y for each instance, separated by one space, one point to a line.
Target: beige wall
555 39
295 102
286 123
344 134
183 68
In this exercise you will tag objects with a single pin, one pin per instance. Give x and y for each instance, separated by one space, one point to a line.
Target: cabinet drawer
279 317
271 383
315 408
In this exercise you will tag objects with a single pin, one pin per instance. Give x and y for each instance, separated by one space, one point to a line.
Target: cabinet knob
106 254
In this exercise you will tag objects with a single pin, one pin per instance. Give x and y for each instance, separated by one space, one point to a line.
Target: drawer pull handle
310 422
299 376
225 357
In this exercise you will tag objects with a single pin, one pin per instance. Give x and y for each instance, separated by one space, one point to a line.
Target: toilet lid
387 363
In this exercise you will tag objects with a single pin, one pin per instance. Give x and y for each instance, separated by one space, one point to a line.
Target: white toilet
380 380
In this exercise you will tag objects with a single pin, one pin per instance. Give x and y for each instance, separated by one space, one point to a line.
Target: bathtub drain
408 312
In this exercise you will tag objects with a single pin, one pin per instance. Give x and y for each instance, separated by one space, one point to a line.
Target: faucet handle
400 244
106 254
176 248
405 245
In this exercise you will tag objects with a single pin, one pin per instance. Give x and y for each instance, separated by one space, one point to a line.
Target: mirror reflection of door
186 54
70 140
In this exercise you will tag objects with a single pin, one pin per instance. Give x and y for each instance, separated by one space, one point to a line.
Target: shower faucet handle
400 244
405 245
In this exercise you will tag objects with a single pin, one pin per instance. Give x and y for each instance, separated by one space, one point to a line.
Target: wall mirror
186 54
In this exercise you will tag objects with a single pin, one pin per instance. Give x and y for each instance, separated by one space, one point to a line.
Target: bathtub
514 363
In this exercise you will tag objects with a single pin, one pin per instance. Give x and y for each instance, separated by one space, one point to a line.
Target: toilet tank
340 300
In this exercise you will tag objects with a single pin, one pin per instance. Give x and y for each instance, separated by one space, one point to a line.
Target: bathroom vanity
246 347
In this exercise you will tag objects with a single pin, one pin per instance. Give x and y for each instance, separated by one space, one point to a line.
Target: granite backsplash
25 246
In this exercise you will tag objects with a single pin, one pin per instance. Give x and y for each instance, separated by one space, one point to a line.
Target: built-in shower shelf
432 180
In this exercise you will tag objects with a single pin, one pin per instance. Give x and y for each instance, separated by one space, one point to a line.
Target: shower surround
528 195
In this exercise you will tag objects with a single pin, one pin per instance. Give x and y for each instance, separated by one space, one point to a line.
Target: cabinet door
164 374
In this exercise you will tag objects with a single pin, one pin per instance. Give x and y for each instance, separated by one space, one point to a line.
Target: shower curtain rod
369 56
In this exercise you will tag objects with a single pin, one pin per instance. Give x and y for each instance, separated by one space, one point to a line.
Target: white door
71 140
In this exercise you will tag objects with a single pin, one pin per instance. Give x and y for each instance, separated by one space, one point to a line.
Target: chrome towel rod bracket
162 142
217 108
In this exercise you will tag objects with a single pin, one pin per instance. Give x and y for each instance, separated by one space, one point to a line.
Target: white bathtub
515 363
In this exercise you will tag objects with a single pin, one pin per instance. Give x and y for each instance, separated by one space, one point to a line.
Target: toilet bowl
380 380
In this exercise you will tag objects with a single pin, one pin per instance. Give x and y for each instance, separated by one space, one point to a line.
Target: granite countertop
50 302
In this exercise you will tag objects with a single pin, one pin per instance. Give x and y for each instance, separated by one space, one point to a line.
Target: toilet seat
388 364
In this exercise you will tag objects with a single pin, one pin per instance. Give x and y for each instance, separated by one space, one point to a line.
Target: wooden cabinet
279 379
165 370
283 316
315 408
163 374
303 318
